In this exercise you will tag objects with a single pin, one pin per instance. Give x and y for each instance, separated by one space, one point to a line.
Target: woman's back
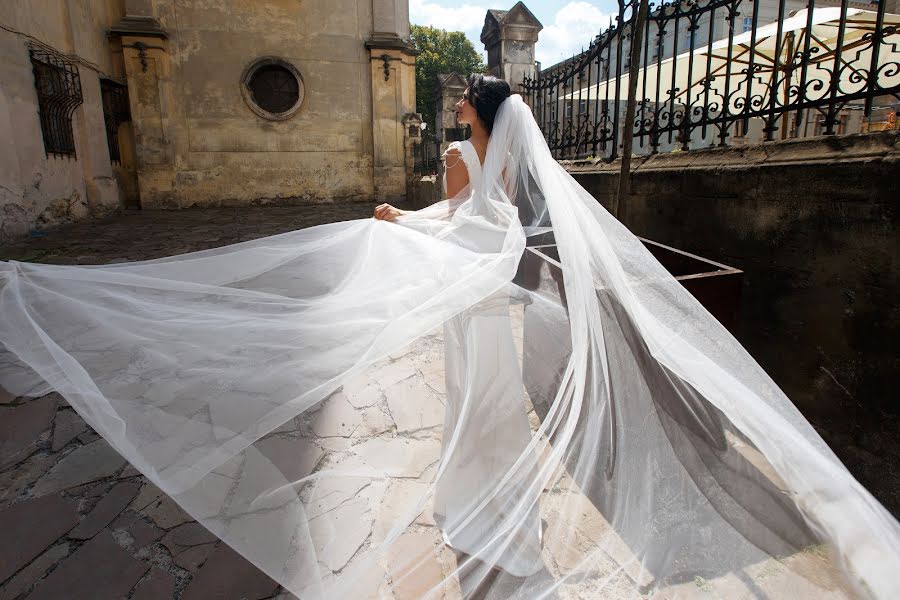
461 155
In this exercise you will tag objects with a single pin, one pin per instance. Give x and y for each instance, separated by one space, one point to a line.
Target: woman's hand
386 212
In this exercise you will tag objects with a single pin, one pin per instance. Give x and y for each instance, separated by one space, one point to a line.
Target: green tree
441 52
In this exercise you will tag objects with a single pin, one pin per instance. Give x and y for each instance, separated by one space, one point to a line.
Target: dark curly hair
486 94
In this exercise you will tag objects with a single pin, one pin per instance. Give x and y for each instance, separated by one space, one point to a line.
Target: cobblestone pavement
141 235
78 522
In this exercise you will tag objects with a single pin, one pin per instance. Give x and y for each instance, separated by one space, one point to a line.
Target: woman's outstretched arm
456 178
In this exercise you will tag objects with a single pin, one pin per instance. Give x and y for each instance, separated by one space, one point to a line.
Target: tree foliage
441 52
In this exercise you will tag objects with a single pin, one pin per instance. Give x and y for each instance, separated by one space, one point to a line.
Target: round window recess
272 88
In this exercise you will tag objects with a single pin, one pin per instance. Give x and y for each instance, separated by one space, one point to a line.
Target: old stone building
178 103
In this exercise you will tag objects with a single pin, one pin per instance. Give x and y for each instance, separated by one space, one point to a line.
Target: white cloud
468 18
574 26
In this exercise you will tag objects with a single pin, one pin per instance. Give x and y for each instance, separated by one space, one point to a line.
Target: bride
660 460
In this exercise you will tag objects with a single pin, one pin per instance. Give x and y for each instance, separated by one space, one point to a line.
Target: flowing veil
658 459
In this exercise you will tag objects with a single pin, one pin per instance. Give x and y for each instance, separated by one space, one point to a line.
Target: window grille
115 112
59 94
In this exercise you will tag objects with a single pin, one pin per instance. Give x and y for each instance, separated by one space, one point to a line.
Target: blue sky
568 25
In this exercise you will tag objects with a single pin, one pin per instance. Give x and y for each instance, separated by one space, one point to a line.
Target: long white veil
659 460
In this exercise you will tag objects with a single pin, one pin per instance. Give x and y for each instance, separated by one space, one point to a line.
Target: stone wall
37 190
203 145
196 138
813 223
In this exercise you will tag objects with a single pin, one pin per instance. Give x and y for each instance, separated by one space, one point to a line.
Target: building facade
152 104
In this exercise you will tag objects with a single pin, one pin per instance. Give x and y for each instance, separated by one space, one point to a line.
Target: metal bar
788 75
673 90
686 114
617 96
831 119
705 114
751 67
660 46
606 134
873 68
770 127
587 104
726 98
804 61
645 102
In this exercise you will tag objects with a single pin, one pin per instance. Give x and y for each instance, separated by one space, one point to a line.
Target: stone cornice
391 41
138 27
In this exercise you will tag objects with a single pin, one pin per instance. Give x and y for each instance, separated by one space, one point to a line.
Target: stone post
509 37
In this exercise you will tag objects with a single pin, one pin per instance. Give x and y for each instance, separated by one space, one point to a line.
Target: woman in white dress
485 422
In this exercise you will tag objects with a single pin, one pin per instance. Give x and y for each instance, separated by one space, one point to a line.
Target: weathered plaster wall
813 223
37 191
199 144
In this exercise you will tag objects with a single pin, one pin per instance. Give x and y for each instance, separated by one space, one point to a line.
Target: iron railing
426 155
718 72
58 88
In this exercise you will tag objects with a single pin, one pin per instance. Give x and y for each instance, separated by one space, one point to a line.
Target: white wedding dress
665 463
486 429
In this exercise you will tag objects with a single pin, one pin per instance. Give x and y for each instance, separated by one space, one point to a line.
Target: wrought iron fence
58 88
426 155
701 73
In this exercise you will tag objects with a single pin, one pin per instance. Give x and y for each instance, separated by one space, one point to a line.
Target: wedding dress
660 460
486 428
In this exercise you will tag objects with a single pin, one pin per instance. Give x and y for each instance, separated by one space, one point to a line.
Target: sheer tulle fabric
659 460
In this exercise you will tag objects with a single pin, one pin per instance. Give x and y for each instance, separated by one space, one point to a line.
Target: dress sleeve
451 161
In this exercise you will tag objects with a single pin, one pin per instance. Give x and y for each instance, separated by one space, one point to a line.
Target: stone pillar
393 76
148 72
450 89
509 37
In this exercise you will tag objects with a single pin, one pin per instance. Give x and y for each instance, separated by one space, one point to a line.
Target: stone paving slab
83 524
79 523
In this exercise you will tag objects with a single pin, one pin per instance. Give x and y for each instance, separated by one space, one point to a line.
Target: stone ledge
862 147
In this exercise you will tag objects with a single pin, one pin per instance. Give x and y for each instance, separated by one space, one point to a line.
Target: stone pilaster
148 71
393 75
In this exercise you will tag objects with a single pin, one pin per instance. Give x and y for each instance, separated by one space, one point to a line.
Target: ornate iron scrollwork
58 88
776 75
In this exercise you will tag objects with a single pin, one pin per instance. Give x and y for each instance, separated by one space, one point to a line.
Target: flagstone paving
78 522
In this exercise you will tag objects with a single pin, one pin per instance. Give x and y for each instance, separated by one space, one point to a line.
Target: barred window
59 94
